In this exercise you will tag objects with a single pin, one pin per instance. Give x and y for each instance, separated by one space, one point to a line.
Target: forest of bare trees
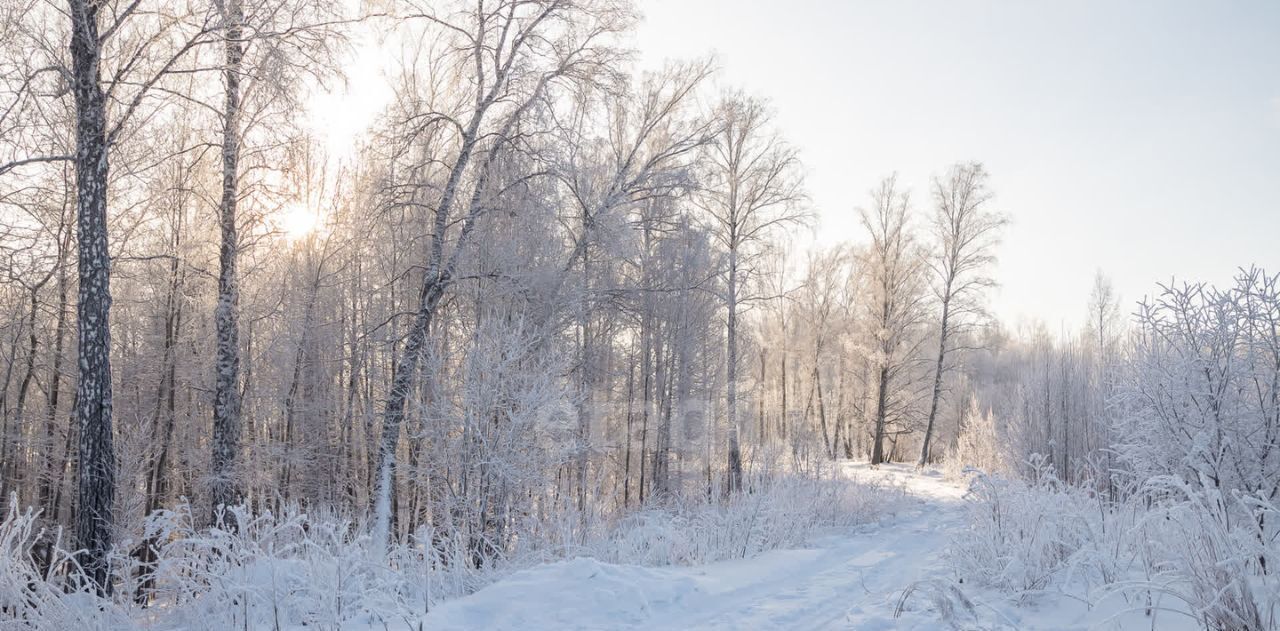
510 303
547 291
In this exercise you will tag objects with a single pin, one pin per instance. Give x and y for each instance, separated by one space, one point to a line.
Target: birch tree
1103 334
269 46
895 305
118 57
510 55
965 232
651 136
226 388
752 189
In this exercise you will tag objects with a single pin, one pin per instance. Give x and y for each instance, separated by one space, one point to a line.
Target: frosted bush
979 446
30 601
271 571
1021 535
1167 546
1216 566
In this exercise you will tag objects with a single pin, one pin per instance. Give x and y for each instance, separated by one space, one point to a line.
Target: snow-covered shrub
432 567
1026 535
31 601
270 571
1164 547
273 571
1198 428
500 444
1217 567
1187 511
949 603
783 510
1201 398
979 445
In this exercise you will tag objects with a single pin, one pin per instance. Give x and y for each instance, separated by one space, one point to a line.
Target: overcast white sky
1141 138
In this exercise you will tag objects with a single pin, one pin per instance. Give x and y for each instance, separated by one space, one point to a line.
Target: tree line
547 284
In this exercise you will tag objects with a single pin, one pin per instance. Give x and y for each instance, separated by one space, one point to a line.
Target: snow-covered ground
853 580
887 575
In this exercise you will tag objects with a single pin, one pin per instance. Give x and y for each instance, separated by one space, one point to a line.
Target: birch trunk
224 489
731 373
937 381
97 462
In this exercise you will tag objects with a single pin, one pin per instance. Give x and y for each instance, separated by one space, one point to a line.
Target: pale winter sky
1142 138
1139 138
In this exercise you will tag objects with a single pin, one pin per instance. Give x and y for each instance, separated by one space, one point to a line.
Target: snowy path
846 582
856 582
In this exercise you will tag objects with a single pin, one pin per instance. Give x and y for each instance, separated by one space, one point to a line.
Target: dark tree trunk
586 371
300 358
626 466
731 374
882 404
164 421
661 371
646 370
822 408
97 461
760 415
16 470
224 489
782 418
937 380
55 466
882 392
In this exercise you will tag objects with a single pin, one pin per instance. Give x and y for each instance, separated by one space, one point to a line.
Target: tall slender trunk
157 485
586 371
49 494
4 412
295 383
882 404
224 489
760 417
48 490
96 484
393 415
354 368
646 369
882 393
439 276
731 373
15 473
626 466
840 416
1066 420
822 409
647 337
937 379
665 375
